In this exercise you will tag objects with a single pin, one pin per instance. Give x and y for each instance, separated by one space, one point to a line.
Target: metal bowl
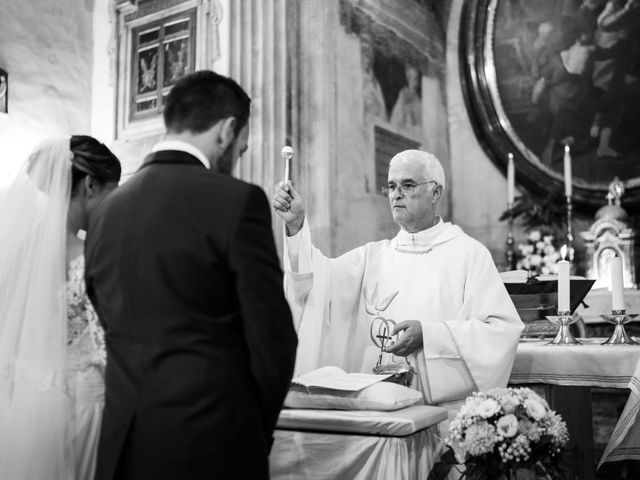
401 373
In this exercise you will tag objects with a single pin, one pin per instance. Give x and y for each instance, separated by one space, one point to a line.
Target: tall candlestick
568 186
511 181
617 285
563 282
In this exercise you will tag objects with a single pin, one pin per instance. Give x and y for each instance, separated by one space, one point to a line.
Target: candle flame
566 149
563 252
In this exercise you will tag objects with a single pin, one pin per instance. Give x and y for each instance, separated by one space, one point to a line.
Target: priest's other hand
287 203
409 341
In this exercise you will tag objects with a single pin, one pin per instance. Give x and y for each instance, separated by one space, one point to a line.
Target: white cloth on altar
328 456
440 276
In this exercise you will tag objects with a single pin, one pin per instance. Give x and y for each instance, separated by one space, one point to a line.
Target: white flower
507 425
548 239
549 250
488 408
534 235
558 430
536 260
545 270
508 403
480 438
540 246
534 409
531 430
528 394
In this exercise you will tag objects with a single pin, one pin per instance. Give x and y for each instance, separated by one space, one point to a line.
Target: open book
335 378
522 276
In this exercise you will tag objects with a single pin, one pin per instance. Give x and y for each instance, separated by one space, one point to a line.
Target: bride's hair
90 157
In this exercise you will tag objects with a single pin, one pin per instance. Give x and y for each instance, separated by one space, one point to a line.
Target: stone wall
46 46
335 137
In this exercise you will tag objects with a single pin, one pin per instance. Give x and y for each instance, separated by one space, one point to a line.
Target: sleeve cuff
438 341
297 250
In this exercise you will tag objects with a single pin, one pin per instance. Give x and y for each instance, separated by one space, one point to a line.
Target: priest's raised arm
440 287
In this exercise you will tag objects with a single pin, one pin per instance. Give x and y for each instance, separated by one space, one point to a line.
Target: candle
511 181
563 282
568 187
617 286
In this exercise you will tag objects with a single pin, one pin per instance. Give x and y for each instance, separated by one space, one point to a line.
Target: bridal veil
34 407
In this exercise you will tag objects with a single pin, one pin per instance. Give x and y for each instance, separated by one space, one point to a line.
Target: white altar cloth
333 444
589 365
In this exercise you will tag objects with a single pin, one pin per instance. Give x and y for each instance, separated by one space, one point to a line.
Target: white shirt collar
182 146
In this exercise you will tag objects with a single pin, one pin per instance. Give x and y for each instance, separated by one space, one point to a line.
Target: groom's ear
227 132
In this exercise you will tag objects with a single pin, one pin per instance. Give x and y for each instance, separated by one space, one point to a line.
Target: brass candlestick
564 336
619 336
510 253
569 228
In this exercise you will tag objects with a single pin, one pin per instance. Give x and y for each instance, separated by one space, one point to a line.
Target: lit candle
617 286
563 282
511 181
568 187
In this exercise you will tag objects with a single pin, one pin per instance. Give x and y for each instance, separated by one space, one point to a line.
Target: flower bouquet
538 254
505 433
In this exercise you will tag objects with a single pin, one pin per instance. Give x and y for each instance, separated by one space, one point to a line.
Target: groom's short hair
200 100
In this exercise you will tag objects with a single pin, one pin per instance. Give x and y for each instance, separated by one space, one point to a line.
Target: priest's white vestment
440 276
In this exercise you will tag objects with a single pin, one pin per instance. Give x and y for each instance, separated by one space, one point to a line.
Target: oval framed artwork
539 74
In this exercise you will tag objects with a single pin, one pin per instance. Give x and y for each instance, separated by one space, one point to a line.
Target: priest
434 288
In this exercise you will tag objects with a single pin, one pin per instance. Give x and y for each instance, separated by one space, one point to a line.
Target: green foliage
541 466
548 212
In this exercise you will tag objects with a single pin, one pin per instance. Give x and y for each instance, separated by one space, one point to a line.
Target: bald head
429 165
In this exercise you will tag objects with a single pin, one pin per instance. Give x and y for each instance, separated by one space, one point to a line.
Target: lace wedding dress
86 360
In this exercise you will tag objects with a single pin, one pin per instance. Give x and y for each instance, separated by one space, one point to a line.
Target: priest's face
412 196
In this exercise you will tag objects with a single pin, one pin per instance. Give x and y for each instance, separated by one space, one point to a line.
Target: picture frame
162 51
532 77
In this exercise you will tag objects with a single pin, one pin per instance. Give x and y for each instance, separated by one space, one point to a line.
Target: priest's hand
409 341
287 203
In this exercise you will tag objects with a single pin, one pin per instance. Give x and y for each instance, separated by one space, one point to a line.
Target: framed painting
541 74
163 51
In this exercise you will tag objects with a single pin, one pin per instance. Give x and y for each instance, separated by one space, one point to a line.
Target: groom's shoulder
227 185
198 182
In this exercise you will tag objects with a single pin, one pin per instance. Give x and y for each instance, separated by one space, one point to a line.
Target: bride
52 354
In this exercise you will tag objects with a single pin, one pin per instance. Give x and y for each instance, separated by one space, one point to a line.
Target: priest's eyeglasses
405 187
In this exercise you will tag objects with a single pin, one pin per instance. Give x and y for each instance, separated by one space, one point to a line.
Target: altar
565 376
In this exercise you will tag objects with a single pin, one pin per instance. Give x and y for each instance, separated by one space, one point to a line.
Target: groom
182 269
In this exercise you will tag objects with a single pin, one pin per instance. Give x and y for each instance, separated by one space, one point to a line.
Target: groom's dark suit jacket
182 269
